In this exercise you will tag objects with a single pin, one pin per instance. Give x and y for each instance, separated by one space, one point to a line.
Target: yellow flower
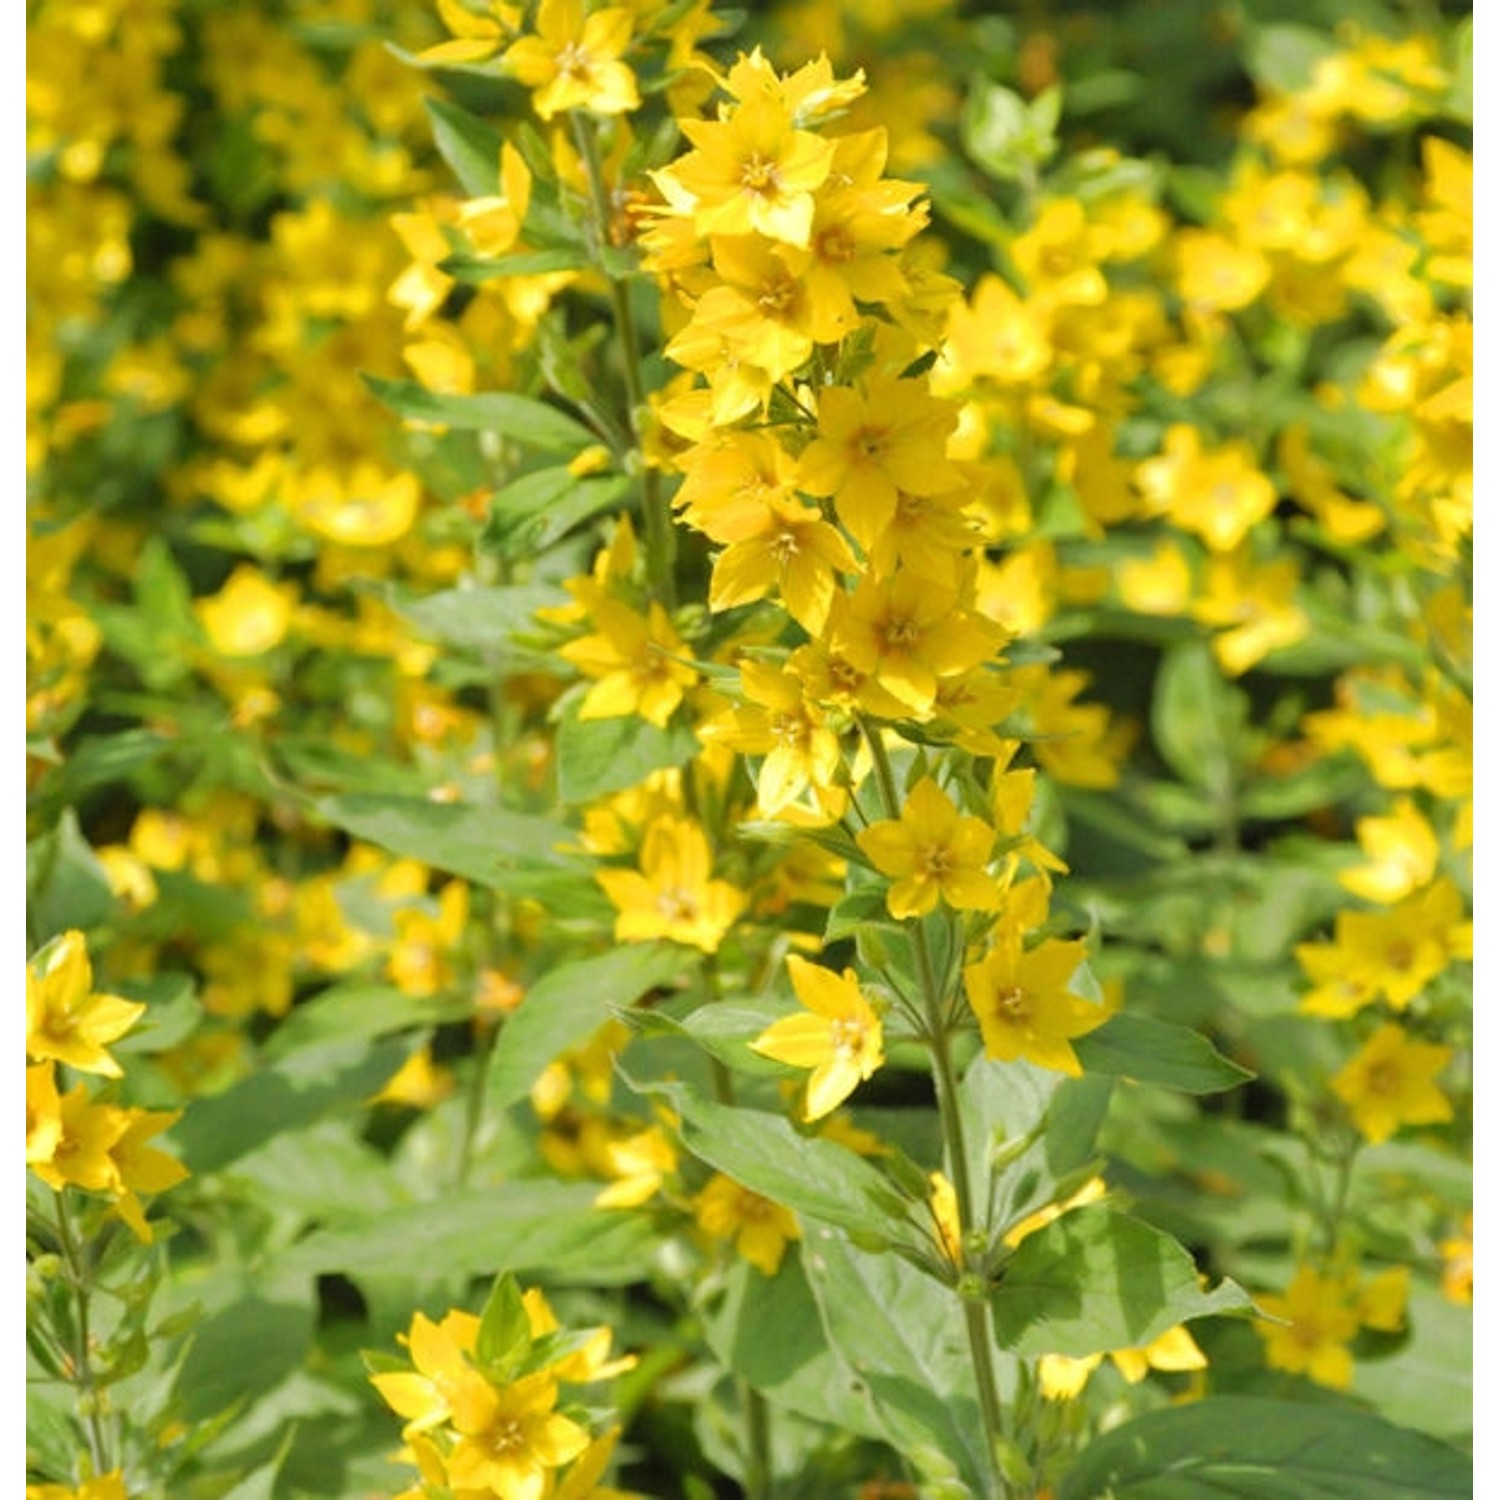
780 723
1023 1004
1389 1083
932 850
752 173
874 444
86 1135
425 1395
1255 604
511 1436
476 35
1216 273
109 1486
1218 494
249 615
140 1168
65 1020
573 62
1063 1378
906 632
1403 854
759 1228
1319 1321
840 1041
1458 1264
671 895
630 658
43 1112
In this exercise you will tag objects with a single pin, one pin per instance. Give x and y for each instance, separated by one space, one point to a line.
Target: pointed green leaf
1244 1448
479 618
504 1330
300 1088
1095 1280
525 1226
901 1336
598 756
1150 1051
567 1005
820 1178
524 419
469 145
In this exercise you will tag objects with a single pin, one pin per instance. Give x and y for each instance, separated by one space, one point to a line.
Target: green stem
474 1099
973 1280
75 1259
757 1410
661 541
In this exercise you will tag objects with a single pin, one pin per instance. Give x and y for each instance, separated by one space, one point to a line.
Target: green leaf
469 145
348 1012
293 1092
1244 1448
598 756
523 419
65 884
504 1330
516 852
901 1336
1150 1051
768 1330
479 618
567 1005
99 760
1197 719
172 1015
241 1352
1095 1280
522 1226
535 510
726 1028
820 1178
475 270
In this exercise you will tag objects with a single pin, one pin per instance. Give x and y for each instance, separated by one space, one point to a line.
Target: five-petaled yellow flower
1024 1006
671 895
932 850
1389 1083
66 1021
840 1040
573 62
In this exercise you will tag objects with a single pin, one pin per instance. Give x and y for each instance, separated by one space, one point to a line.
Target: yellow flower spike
66 1021
671 895
760 1229
1389 1083
1023 1004
573 61
932 850
840 1040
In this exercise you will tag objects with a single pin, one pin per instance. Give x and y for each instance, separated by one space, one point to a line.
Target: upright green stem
75 1259
972 1285
757 1409
661 541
